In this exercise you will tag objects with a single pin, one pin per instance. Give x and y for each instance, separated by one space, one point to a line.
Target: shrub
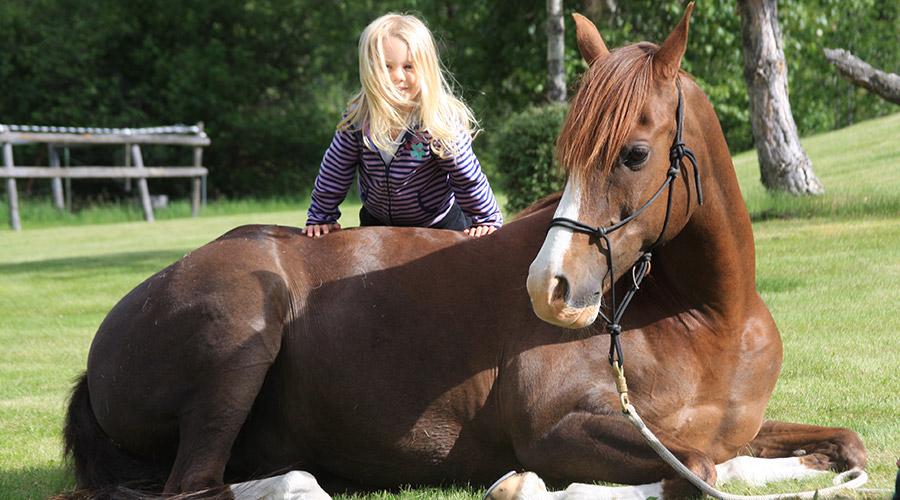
524 153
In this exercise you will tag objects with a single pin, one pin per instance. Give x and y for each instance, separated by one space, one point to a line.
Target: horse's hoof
516 486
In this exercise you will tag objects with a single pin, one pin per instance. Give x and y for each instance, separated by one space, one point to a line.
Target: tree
883 84
598 9
556 51
783 164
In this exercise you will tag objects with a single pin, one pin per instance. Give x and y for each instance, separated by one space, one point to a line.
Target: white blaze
549 260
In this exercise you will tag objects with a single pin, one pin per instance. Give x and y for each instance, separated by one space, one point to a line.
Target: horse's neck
711 263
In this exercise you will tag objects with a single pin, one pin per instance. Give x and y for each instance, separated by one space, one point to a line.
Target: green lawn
829 268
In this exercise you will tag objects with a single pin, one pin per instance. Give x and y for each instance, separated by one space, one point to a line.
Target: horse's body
388 356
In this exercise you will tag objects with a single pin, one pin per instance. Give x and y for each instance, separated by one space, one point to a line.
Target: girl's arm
334 179
471 187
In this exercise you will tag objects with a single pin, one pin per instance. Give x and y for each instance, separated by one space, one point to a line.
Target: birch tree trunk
599 10
556 67
783 164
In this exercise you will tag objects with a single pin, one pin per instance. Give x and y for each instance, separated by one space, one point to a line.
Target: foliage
527 156
269 78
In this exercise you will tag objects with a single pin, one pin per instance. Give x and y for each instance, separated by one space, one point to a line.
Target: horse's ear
668 59
590 43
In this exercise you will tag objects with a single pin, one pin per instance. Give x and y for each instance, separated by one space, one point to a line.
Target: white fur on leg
759 471
529 486
294 485
578 491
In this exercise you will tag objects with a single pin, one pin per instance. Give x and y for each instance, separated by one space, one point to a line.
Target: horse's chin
570 317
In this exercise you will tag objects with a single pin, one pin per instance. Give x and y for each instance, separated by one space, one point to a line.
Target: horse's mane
544 202
611 94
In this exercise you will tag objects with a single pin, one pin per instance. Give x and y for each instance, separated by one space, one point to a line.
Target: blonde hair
378 108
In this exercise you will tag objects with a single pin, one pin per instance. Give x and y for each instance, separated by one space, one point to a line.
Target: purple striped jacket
416 188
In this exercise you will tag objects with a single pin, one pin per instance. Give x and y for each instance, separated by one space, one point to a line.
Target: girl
409 137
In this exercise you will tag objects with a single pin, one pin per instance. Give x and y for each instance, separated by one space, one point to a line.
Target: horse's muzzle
556 300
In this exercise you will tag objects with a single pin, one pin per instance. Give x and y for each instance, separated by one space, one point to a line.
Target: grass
859 167
828 268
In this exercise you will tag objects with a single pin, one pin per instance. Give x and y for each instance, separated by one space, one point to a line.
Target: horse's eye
634 157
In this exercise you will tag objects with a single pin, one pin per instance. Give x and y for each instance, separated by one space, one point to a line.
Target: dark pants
455 219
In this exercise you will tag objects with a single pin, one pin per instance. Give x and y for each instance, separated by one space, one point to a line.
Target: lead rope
851 479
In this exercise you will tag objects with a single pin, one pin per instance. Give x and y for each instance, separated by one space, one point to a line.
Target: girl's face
400 67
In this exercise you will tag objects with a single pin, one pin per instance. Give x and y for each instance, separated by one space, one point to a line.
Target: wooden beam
58 138
101 172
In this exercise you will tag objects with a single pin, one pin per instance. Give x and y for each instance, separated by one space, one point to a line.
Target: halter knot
677 152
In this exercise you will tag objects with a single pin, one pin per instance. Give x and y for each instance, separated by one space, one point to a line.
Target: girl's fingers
479 231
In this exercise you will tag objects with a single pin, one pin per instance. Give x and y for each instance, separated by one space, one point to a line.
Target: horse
377 357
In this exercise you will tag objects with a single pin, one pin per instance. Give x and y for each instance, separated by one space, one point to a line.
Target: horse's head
621 198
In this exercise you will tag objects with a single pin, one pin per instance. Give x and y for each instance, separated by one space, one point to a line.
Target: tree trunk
883 84
783 164
556 67
600 11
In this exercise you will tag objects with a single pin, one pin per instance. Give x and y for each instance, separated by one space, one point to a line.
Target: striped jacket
416 188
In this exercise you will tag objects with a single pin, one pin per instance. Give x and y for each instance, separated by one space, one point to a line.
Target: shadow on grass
778 284
142 262
36 482
783 206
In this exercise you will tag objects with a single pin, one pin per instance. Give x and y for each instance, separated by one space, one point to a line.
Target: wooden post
143 190
56 183
12 196
127 164
67 160
195 192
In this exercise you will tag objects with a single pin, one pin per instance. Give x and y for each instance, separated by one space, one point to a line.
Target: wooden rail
132 139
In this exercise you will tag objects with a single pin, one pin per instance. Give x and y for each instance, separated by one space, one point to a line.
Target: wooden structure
131 138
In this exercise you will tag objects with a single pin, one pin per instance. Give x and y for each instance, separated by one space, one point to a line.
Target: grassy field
829 269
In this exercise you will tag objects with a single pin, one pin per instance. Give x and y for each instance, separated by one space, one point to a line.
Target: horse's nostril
561 290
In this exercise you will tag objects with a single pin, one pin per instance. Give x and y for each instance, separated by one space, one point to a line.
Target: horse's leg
529 486
210 422
760 471
230 356
815 447
608 448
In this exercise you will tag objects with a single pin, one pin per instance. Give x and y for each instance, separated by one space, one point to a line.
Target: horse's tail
99 464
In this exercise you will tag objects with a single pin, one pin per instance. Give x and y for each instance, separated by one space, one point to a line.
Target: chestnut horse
385 356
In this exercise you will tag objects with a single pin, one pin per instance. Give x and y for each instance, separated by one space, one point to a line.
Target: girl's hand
479 231
319 230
